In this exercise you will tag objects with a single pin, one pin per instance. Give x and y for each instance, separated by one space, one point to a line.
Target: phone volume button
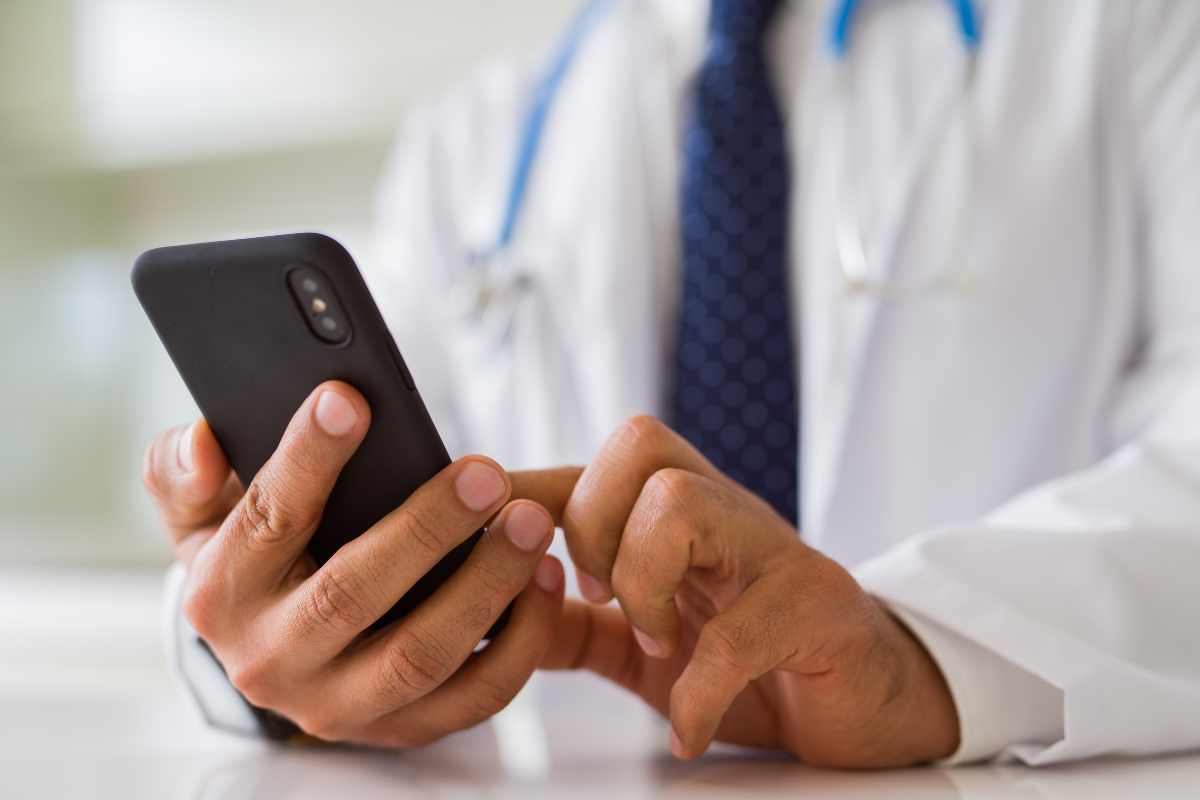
408 381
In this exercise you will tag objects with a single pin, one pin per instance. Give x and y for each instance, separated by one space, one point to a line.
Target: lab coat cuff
202 679
999 704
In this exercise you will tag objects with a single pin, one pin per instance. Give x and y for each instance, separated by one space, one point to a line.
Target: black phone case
236 333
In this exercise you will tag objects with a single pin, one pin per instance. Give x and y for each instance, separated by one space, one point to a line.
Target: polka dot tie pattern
735 392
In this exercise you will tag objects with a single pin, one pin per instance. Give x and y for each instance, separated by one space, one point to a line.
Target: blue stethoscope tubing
856 270
539 106
845 11
841 23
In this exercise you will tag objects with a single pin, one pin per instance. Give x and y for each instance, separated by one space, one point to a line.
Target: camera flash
319 305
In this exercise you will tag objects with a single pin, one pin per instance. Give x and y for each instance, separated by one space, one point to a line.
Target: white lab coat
1015 470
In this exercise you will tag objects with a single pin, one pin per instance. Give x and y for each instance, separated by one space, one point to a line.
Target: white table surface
89 712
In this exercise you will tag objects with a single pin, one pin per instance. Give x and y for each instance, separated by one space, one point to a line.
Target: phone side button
408 381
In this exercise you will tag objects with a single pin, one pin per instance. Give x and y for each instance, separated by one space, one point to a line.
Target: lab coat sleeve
202 679
1066 621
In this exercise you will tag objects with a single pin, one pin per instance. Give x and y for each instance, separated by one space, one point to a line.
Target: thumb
597 638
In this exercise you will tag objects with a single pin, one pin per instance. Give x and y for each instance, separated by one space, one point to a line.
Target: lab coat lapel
840 328
667 45
597 232
836 327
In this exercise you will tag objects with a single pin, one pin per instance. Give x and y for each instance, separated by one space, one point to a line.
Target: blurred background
129 124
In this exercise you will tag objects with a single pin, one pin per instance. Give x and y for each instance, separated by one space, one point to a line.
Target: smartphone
253 326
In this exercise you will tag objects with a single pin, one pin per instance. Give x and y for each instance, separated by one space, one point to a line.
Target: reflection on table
601 743
87 710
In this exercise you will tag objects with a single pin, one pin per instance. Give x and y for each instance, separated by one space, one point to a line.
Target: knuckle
322 725
669 490
493 575
670 498
256 679
489 697
662 523
840 585
685 498
413 666
333 603
201 607
476 616
266 518
640 433
726 644
427 539
299 458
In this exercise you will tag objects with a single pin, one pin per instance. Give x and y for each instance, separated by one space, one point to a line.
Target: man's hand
730 625
293 637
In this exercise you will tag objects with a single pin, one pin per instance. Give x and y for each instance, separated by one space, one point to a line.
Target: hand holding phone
291 636
352 515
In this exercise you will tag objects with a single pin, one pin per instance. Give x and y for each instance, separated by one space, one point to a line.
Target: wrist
880 702
923 725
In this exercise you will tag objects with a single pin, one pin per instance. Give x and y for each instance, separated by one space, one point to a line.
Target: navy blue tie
735 389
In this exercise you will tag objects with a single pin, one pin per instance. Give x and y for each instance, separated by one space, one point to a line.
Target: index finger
755 635
608 489
367 575
188 478
551 488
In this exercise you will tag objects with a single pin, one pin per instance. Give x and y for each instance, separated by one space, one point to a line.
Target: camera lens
320 307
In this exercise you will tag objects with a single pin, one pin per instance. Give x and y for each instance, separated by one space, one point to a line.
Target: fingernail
527 527
187 458
479 486
648 645
591 589
548 575
335 414
676 745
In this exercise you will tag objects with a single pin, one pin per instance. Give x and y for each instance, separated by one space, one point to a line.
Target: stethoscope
495 280
492 285
858 274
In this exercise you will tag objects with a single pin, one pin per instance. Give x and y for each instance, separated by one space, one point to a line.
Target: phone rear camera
318 304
